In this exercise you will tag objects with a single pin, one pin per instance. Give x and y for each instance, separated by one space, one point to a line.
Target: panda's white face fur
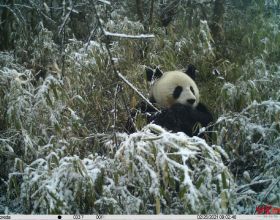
175 87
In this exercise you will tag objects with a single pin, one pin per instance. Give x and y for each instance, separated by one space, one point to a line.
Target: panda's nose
191 101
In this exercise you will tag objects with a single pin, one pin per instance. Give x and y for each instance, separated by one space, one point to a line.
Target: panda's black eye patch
177 92
191 88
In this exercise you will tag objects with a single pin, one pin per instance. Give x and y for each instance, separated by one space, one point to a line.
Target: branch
141 36
135 89
115 114
61 28
105 2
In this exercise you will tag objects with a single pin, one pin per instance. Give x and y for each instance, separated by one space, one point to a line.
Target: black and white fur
173 87
177 95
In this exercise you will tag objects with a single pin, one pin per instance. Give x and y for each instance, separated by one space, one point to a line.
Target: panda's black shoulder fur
183 118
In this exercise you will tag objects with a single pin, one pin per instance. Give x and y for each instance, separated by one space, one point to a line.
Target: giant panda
176 94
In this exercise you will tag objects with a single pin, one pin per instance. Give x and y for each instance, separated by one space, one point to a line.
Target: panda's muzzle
191 101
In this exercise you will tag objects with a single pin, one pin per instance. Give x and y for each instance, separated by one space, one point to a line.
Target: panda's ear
151 74
158 73
191 71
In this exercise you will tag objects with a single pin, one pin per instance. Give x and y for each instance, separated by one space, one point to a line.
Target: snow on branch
140 36
105 2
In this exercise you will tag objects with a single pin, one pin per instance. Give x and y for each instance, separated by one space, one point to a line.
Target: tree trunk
139 8
217 20
151 13
6 27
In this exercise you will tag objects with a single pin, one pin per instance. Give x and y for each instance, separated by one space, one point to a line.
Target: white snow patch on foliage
156 154
84 56
58 187
152 170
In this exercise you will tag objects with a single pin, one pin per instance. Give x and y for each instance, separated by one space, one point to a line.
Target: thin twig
115 113
90 36
61 28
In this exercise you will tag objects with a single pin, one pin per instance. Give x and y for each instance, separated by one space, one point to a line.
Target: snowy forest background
65 95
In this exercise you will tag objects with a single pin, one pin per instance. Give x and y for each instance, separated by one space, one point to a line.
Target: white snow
140 36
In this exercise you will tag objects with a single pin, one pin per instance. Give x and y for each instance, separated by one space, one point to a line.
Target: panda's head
173 87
